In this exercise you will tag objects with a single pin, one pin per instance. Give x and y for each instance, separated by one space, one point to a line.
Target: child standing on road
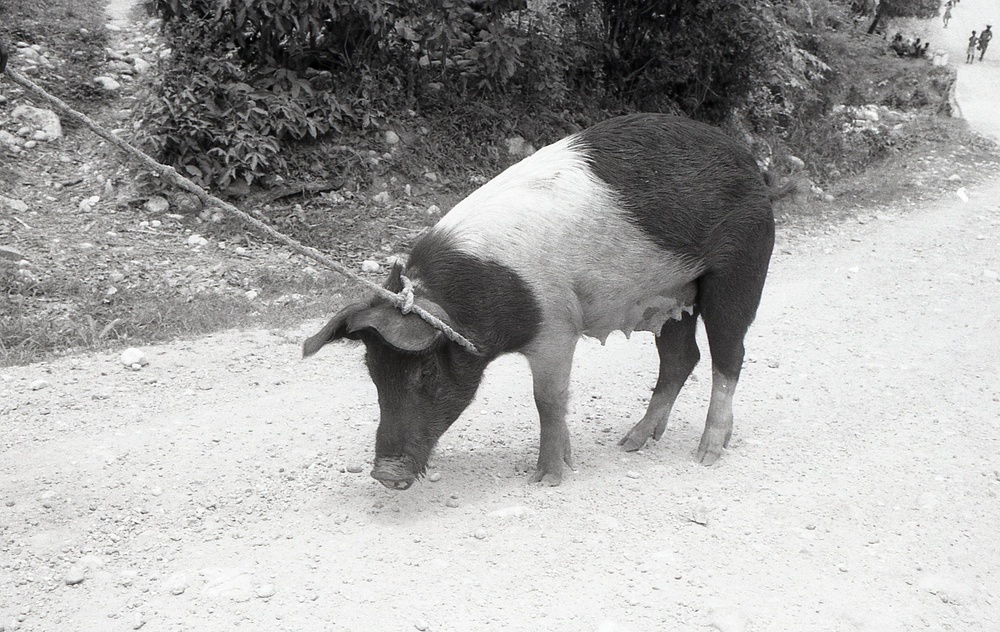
984 41
947 14
970 52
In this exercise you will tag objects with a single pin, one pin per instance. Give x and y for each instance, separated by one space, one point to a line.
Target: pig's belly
631 306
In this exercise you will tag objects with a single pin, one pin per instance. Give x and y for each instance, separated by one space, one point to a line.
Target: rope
402 301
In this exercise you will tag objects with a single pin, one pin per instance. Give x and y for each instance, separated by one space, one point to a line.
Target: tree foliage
248 76
888 9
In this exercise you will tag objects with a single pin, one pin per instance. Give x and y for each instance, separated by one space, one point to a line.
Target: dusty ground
211 489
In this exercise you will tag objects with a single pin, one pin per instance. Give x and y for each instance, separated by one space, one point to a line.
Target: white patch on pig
560 227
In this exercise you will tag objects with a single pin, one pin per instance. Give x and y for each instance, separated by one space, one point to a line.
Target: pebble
132 356
451 502
108 83
74 576
435 477
38 385
421 625
196 240
354 468
480 534
699 515
176 584
265 591
370 266
157 204
632 474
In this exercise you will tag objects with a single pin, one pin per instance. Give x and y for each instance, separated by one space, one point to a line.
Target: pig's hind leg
679 354
728 300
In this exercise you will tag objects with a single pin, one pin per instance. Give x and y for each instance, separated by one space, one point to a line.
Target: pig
642 222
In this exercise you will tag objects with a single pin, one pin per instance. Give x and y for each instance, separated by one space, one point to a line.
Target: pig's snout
394 473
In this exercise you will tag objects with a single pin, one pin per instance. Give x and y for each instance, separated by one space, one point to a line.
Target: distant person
947 14
970 52
984 41
897 44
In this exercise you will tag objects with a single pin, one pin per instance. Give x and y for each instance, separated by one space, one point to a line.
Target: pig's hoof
635 438
711 446
547 478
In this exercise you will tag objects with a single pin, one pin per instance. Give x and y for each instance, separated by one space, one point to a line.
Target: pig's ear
338 327
406 332
395 281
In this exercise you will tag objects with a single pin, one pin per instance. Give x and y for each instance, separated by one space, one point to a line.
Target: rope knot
406 294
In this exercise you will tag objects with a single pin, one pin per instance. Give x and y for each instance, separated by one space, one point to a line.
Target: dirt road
209 491
214 488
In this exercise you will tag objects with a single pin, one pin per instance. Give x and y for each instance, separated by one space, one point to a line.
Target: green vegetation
300 91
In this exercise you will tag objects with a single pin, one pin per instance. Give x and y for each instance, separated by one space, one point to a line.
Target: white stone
141 65
133 356
88 204
157 204
39 120
370 266
108 83
196 240
391 138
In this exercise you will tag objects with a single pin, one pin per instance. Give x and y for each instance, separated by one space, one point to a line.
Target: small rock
141 65
39 119
451 502
433 209
196 240
176 584
38 385
15 205
370 266
133 356
435 477
795 162
480 534
138 621
265 591
354 468
421 625
251 294
632 474
108 83
382 198
157 204
954 178
962 195
74 576
87 204
699 515
391 138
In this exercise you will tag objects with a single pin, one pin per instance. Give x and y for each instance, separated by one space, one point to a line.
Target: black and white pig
640 223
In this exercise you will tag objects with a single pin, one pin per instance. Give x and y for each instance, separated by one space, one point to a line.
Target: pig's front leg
550 369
